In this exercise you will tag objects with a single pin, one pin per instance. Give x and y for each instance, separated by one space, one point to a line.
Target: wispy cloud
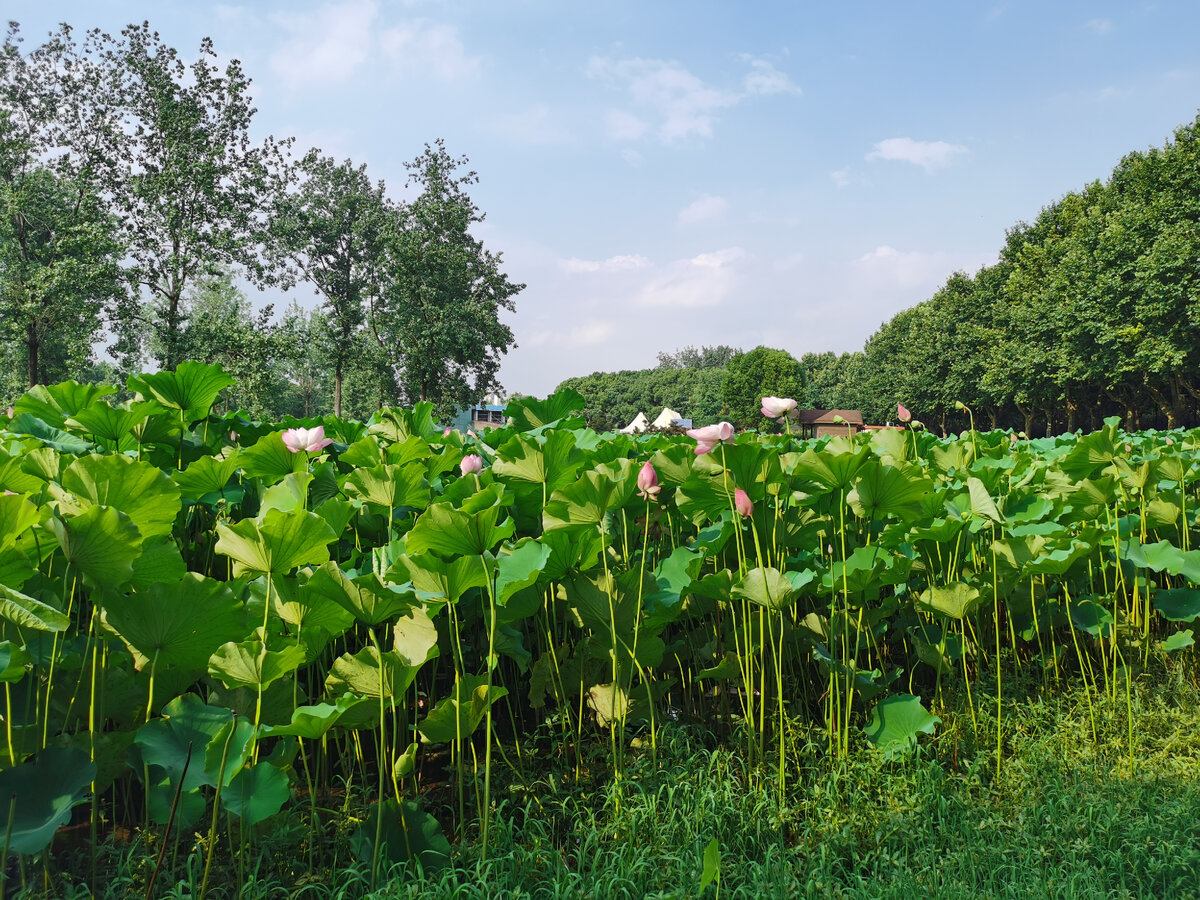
1099 27
929 155
705 280
679 104
586 334
764 79
840 177
705 209
626 263
885 266
429 48
537 125
328 45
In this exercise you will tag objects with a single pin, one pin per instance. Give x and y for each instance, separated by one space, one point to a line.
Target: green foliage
749 377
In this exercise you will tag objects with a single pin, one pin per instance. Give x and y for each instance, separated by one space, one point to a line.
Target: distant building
487 414
668 418
821 422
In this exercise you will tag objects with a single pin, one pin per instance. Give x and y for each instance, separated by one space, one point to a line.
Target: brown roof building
820 422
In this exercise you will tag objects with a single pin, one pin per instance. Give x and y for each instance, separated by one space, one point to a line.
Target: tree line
1092 310
133 201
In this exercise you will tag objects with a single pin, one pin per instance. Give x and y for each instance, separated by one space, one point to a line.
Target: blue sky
663 174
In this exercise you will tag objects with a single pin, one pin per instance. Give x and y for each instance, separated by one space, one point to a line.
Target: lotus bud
11 412
233 435
958 404
647 482
472 464
446 433
777 407
742 503
311 440
902 413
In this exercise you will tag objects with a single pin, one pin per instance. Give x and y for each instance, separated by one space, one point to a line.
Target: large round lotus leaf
459 714
178 624
37 797
277 544
415 637
55 402
313 722
246 665
191 388
107 422
390 486
895 723
207 475
361 674
954 600
256 793
408 833
364 596
270 460
101 542
13 660
16 515
1178 604
180 740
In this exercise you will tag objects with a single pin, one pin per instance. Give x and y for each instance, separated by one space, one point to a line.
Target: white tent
666 417
638 424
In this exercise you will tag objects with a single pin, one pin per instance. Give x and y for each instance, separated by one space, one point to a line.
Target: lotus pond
210 625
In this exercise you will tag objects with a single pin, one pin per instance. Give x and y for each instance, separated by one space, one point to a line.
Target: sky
664 174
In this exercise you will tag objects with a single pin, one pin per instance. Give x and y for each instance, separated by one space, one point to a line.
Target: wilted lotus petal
742 503
777 407
647 482
472 464
310 440
902 413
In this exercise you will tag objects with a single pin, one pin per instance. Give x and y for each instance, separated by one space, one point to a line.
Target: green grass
1067 817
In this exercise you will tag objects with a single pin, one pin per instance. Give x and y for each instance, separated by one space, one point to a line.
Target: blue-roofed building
488 414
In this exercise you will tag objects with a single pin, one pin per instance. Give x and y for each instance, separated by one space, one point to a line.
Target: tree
59 272
330 229
690 357
763 372
437 316
189 185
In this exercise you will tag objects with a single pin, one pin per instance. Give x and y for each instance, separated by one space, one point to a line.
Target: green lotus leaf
277 544
829 470
398 425
389 486
407 833
881 489
468 531
207 475
955 600
434 578
228 751
54 403
41 795
270 460
771 588
101 542
551 461
106 422
246 664
179 741
1180 640
14 478
14 662
191 388
896 722
136 488
1178 605
1163 557
584 504
459 714
982 503
176 624
519 569
54 438
257 793
288 495
312 722
369 673
160 562
414 637
528 413
364 596
16 515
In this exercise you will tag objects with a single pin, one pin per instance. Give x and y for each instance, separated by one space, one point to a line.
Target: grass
1068 816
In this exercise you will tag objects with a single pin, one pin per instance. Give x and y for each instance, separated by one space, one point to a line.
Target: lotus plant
472 464
777 407
742 503
709 436
310 440
647 482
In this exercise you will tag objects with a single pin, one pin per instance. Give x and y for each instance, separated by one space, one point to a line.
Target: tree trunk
32 343
337 387
1028 416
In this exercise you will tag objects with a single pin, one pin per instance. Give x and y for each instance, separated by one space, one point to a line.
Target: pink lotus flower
902 413
742 503
777 407
233 435
446 433
647 482
310 440
709 436
472 464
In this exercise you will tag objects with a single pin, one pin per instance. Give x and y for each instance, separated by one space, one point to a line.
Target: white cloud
703 281
626 263
705 209
1099 27
327 45
683 105
764 79
841 177
584 335
929 155
429 48
633 158
331 43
